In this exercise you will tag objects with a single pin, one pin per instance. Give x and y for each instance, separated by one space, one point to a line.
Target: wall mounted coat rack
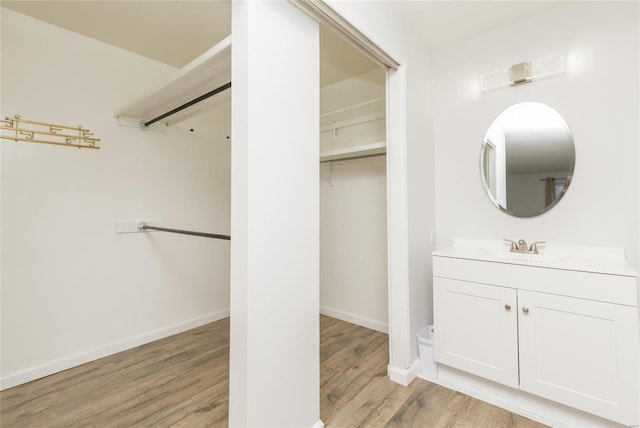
18 129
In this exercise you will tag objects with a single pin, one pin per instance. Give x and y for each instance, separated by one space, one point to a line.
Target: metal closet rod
143 227
188 104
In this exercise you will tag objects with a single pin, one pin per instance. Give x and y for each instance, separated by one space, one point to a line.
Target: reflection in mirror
527 159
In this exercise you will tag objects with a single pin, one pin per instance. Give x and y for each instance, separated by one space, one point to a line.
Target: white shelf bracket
328 177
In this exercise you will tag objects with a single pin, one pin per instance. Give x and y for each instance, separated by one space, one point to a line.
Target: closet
75 283
353 253
353 221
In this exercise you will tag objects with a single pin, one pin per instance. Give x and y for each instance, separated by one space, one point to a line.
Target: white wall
410 165
353 212
598 97
274 370
73 290
353 242
353 91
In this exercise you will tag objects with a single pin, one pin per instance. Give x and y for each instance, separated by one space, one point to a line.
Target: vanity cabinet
566 335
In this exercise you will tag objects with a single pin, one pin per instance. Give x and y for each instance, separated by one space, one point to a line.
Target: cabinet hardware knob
525 309
507 307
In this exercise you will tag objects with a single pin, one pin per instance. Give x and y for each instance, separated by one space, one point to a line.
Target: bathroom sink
555 256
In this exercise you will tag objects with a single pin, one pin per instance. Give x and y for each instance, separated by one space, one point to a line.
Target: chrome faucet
521 246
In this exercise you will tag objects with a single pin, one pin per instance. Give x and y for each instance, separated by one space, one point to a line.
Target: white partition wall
274 364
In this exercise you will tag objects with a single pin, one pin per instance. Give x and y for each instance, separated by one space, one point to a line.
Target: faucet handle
534 247
522 246
514 244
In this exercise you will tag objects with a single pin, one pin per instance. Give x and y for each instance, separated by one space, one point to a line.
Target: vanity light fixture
523 72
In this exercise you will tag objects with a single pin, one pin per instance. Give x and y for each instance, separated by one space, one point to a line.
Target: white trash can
428 366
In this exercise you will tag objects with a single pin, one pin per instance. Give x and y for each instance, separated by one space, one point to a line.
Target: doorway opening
353 197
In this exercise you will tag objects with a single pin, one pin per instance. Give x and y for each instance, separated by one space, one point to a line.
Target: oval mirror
527 159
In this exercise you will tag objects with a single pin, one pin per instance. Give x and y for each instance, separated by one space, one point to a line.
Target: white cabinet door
581 353
476 329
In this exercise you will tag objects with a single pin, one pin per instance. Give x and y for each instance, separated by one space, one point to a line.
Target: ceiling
176 32
447 21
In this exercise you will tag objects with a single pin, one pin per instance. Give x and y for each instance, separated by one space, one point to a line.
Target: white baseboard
530 406
355 319
318 424
104 351
404 376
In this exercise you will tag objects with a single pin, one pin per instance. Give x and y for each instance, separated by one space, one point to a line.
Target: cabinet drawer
587 285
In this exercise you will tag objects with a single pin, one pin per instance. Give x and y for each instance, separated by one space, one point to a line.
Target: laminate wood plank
129 386
183 381
356 391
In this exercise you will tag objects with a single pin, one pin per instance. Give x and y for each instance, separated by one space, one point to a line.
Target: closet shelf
373 106
355 151
210 70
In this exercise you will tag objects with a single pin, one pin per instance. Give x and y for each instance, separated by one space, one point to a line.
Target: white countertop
555 256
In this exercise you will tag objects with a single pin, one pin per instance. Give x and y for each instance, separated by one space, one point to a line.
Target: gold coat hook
27 130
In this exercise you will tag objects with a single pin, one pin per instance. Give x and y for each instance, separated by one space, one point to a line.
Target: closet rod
188 104
374 155
143 227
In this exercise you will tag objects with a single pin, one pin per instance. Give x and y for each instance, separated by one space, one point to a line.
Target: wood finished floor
182 381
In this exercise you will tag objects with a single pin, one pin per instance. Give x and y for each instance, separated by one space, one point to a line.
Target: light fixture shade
524 72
